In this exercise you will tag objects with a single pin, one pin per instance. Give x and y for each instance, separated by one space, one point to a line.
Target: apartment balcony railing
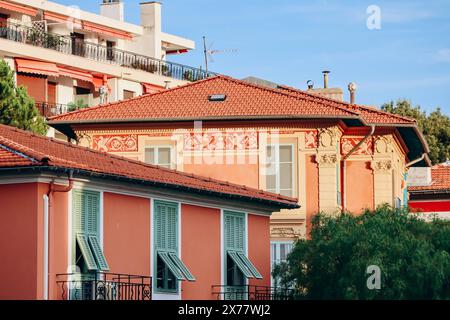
100 53
47 109
104 286
252 293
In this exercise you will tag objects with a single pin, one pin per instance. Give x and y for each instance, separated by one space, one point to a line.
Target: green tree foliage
413 255
435 126
16 107
79 104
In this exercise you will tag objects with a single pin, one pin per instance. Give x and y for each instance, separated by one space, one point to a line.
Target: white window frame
277 148
156 154
277 259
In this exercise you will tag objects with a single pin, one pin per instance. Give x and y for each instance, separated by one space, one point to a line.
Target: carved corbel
381 166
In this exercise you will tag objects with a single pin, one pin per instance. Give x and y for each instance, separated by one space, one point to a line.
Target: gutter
66 127
273 204
430 192
416 161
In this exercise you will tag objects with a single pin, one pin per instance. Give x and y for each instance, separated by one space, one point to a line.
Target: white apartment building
63 54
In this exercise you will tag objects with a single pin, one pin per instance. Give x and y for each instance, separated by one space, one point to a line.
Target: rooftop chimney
151 21
352 89
331 93
113 9
325 79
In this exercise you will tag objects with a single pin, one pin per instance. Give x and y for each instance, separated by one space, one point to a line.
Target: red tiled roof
440 177
371 115
243 99
191 102
20 148
9 158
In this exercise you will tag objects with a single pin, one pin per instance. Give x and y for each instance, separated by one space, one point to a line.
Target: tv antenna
209 52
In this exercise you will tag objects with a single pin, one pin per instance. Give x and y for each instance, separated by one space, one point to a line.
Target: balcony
252 293
47 109
104 54
104 286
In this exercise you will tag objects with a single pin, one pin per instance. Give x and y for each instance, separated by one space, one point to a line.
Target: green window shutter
240 233
240 264
166 226
172 228
249 265
86 219
79 224
86 211
86 252
98 253
230 230
166 239
234 231
160 226
172 267
92 212
187 274
234 242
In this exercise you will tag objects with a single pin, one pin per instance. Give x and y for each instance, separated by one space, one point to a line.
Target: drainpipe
46 208
47 213
343 179
416 161
372 131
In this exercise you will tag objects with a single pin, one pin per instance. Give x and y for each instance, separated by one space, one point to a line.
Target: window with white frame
160 156
279 252
280 169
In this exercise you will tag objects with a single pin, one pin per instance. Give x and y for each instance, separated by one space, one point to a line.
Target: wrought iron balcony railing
100 53
104 286
252 293
47 109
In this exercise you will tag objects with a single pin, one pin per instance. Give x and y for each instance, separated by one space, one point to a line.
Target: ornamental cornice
285 232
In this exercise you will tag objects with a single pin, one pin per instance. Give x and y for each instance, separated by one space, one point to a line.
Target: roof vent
217 97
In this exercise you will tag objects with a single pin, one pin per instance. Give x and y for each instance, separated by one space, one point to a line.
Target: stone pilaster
382 167
328 159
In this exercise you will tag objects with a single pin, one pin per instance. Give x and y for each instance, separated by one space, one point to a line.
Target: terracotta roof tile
191 102
440 177
9 158
20 148
243 99
371 115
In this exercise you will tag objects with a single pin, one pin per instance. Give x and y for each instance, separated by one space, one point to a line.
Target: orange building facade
330 155
80 225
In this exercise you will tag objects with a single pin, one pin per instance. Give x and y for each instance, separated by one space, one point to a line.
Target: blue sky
292 41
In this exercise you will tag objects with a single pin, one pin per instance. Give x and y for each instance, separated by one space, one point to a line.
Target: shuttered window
234 243
86 231
169 267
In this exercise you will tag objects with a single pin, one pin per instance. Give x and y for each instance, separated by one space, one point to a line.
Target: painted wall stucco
259 247
359 186
18 241
126 234
200 250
